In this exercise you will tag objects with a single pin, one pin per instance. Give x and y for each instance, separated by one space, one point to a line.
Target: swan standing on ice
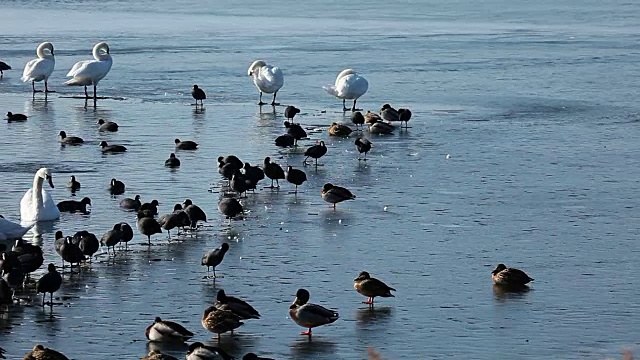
348 85
37 204
266 78
90 72
41 68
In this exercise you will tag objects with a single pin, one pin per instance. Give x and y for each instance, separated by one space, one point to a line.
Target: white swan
37 204
41 68
349 85
10 230
266 78
90 72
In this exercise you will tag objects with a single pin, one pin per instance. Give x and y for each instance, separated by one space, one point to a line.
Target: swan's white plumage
10 230
41 68
37 204
266 78
90 72
348 85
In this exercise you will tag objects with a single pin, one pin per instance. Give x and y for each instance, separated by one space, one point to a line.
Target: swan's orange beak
50 181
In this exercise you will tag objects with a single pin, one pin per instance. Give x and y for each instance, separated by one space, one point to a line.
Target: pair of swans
36 205
269 79
83 73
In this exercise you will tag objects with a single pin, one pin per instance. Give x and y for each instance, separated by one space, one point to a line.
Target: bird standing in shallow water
41 68
147 225
310 315
510 277
235 305
348 85
214 257
198 94
273 171
266 78
316 152
290 112
3 66
364 146
220 321
334 194
90 72
295 176
357 119
49 283
371 287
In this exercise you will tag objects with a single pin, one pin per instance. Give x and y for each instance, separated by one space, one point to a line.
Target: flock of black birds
228 312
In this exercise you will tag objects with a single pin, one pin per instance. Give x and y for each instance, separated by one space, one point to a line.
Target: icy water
535 104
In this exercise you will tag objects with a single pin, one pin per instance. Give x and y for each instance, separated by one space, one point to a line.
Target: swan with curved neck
37 204
348 85
41 68
90 72
267 78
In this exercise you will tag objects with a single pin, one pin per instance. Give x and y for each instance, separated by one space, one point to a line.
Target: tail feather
331 89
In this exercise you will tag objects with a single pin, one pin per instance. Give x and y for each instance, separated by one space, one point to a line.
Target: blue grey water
534 102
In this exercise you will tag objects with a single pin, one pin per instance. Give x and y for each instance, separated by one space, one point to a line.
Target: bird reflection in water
503 293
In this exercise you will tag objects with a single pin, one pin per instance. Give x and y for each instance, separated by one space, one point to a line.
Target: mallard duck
163 330
334 194
40 352
310 315
388 113
316 152
157 355
371 287
199 351
371 117
214 257
235 305
511 277
336 129
220 321
381 128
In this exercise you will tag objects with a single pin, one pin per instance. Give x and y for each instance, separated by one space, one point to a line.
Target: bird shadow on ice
304 346
368 314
